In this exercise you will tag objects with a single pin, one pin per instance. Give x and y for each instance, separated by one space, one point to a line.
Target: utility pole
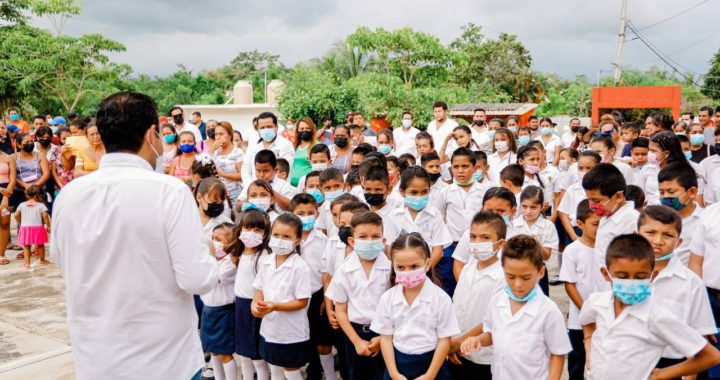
621 41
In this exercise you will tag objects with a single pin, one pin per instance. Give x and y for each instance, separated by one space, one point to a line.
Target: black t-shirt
702 153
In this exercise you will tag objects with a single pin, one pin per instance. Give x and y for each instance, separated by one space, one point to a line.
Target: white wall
239 115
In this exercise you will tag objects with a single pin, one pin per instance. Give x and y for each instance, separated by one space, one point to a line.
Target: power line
673 16
658 53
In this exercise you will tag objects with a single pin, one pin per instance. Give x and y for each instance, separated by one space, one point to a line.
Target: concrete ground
34 341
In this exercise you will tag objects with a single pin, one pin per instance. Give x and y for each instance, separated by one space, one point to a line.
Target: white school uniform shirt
333 255
554 144
689 224
459 206
523 343
680 291
312 252
279 186
623 221
212 223
625 169
391 204
291 281
282 148
471 300
428 222
543 229
247 268
405 140
705 243
629 346
550 176
436 189
570 200
579 268
325 220
497 164
362 294
151 257
223 293
462 249
416 328
438 134
482 139
710 168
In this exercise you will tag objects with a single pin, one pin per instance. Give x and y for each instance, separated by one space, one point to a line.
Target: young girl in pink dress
32 216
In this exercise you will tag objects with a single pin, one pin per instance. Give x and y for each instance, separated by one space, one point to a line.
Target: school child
282 294
461 137
217 325
283 169
331 185
417 216
582 277
549 177
212 200
358 155
458 203
386 143
550 141
376 189
523 136
408 158
252 235
260 196
34 221
356 289
529 157
639 159
568 157
606 148
636 195
266 166
605 187
626 329
414 318
512 177
532 223
431 163
478 282
628 134
505 153
574 194
395 169
320 160
481 170
675 287
525 328
313 242
312 187
710 170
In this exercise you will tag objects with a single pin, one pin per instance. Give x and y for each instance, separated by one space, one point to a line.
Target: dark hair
632 127
682 139
533 193
427 157
292 221
268 115
203 170
212 185
353 178
589 153
467 130
42 131
266 156
415 241
184 133
376 155
320 148
412 173
345 199
312 174
501 193
709 110
330 174
362 150
662 214
408 158
368 217
512 145
682 172
197 113
605 140
523 247
463 152
664 121
440 104
401 165
583 210
19 137
493 220
354 206
636 195
606 178
302 199
425 136
34 192
81 123
377 173
41 117
632 247
283 166
407 113
668 142
480 156
266 186
252 219
524 152
175 108
573 153
479 110
532 117
61 130
123 119
640 142
514 173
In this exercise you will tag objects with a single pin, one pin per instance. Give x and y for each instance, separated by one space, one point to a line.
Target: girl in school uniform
217 326
530 222
505 153
212 201
415 318
282 294
260 196
251 236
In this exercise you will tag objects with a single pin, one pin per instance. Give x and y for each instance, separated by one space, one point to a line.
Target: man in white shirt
130 246
181 125
442 125
405 136
569 136
267 128
480 132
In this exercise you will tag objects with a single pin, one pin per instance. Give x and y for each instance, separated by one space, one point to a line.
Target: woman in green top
303 141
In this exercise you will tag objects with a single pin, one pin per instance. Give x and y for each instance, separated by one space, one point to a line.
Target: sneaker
208 374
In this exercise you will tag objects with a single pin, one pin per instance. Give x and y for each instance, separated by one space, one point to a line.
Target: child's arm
457 268
706 358
388 353
565 219
556 366
258 300
588 331
288 306
696 264
17 217
457 341
441 351
329 306
436 255
547 253
574 295
476 343
361 345
282 201
46 220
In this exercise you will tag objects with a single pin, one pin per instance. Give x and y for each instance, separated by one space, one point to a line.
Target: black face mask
344 233
374 199
574 129
354 167
214 209
211 133
45 142
434 176
28 148
178 119
305 135
341 142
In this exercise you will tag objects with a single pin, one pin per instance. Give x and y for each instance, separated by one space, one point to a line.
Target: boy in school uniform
331 186
626 329
582 277
678 186
431 163
605 188
575 194
512 177
266 165
356 289
479 281
319 160
283 169
376 187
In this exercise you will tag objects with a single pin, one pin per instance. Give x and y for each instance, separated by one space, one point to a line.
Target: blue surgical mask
674 202
513 297
317 194
416 203
477 176
369 249
546 131
267 134
308 222
506 219
384 149
697 139
187 148
513 130
631 292
688 155
491 134
666 257
169 139
15 117
523 140
332 195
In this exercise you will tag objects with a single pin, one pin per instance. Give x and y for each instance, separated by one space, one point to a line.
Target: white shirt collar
126 160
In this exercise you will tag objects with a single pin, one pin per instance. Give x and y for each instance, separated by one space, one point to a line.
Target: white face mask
319 166
563 165
281 247
407 123
502 146
482 251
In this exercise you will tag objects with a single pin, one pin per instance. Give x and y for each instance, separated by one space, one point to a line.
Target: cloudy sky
568 37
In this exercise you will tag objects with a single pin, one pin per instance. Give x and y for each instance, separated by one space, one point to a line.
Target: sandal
4 261
20 256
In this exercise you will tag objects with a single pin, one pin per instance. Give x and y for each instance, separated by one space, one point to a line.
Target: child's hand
453 358
402 377
375 345
363 348
333 319
455 345
264 308
656 374
470 345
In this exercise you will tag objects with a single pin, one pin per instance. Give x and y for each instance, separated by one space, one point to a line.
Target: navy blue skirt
291 355
321 333
247 330
217 329
412 366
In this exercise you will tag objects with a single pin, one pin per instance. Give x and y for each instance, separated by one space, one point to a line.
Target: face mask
680 133
674 202
305 135
546 131
384 149
410 278
574 129
169 139
354 167
513 297
317 194
374 199
653 158
502 146
262 203
434 176
600 210
416 203
178 119
688 155
211 133
219 249
344 233
187 148
29 147
697 139
580 176
45 142
513 129
332 195
15 117
251 239
214 209
522 140
308 222
631 292
407 123
369 249
466 183
491 134
281 247
506 219
319 167
666 257
267 134
482 251
608 133
532 169
563 165
477 176
341 142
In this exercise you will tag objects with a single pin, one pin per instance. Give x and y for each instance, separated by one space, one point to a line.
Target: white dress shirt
710 168
416 328
570 201
497 164
689 224
190 127
223 293
580 268
312 252
623 221
333 255
282 148
705 243
438 134
551 146
130 246
428 222
248 265
543 230
405 140
459 206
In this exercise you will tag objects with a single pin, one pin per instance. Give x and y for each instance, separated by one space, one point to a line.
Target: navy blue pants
714 295
666 362
469 370
363 367
445 270
545 283
576 357
413 366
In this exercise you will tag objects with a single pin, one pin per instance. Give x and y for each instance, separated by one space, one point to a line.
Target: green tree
252 66
181 87
316 94
711 82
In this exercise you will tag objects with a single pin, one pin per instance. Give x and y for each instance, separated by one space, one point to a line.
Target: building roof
466 109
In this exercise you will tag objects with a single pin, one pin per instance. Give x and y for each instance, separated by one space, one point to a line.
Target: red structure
635 97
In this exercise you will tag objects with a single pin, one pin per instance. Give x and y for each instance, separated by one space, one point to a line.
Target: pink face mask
532 169
251 239
219 249
410 278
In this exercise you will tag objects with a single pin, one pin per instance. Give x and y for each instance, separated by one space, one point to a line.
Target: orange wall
635 97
